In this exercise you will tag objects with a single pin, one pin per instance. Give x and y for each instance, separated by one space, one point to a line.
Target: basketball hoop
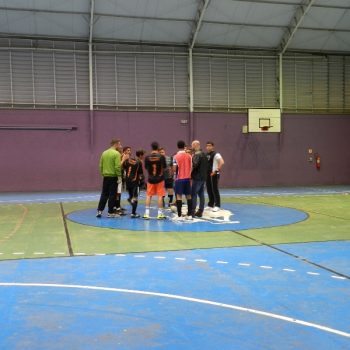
265 128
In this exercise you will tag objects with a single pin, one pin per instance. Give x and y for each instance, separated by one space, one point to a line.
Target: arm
118 167
101 166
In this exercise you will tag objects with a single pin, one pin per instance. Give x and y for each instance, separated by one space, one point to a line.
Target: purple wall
67 160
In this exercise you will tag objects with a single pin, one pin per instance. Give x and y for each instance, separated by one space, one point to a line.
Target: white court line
139 256
339 277
313 273
200 260
159 257
222 262
182 259
243 264
119 254
289 270
180 297
59 253
265 267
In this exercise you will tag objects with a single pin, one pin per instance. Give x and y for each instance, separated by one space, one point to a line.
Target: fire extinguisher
318 162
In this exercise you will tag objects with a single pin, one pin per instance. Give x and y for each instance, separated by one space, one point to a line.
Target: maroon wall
41 160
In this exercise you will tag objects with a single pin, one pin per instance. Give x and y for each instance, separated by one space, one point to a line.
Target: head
140 153
210 146
181 145
116 144
154 146
162 151
196 146
127 150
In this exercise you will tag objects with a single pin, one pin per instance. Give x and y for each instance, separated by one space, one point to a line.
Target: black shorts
133 189
169 183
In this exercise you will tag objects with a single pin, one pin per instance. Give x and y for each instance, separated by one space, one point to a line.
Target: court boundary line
292 255
183 298
69 243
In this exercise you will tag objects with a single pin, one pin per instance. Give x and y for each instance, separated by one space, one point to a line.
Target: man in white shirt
216 162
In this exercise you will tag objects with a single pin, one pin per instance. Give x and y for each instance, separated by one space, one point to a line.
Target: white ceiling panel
43 24
55 5
332 18
142 30
181 9
243 36
249 12
321 41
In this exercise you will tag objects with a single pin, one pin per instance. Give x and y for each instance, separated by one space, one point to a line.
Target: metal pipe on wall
91 90
191 103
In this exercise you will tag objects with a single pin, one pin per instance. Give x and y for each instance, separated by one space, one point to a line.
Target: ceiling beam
198 22
298 17
91 24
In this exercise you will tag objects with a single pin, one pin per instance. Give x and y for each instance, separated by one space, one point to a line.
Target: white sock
147 211
160 211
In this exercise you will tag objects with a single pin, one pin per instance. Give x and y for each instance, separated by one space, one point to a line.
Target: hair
114 142
140 152
155 146
180 144
125 148
210 143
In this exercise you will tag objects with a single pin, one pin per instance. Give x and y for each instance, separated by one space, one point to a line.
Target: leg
217 199
210 191
194 195
104 195
201 196
111 195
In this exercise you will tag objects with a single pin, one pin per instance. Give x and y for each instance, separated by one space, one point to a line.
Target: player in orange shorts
155 164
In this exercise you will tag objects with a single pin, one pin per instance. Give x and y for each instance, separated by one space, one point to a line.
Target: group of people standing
184 174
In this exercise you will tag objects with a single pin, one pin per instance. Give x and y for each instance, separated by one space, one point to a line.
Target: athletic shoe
111 215
198 214
134 216
178 218
215 209
99 214
208 208
120 212
161 217
145 216
188 217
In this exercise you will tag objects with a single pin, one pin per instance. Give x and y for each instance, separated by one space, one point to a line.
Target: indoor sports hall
267 82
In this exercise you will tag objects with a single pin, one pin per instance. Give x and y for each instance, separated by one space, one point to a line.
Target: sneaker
111 215
198 214
99 214
215 209
178 218
161 217
120 212
145 216
208 208
134 216
188 217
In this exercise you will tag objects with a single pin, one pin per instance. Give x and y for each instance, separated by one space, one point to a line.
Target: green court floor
38 230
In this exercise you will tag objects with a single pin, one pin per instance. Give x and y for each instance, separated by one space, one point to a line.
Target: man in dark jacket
199 175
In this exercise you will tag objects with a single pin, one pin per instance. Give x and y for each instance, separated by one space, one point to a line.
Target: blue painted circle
245 216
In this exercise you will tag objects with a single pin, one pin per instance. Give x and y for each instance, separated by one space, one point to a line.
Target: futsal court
262 87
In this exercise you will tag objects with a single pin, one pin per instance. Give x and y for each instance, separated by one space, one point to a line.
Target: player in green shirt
110 169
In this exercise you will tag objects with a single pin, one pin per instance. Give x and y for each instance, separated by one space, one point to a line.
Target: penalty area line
184 298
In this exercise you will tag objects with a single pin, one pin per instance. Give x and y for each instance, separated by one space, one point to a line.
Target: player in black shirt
133 179
155 165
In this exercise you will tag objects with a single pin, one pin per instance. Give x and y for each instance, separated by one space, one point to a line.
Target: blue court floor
234 298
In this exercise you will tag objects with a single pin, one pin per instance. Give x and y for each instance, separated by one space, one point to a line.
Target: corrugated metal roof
325 25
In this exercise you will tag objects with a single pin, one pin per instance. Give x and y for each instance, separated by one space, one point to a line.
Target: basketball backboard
264 120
